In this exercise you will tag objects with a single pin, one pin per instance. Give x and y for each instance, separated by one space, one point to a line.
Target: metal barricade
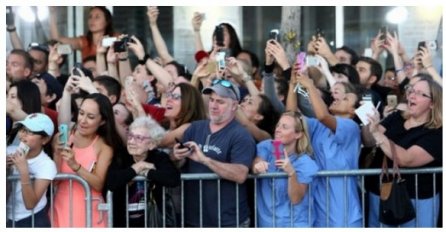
108 207
60 176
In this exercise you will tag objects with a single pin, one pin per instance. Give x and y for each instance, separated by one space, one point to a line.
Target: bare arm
169 138
15 40
54 32
252 128
160 44
197 20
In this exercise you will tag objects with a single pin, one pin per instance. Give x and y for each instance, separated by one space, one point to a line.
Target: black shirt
428 139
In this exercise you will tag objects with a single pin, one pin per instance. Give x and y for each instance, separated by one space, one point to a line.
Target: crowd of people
230 116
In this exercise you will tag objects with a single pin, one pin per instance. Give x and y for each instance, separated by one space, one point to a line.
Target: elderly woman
417 135
146 160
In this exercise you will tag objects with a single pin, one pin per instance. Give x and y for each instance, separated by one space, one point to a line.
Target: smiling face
343 103
173 104
12 96
138 142
286 130
250 106
89 118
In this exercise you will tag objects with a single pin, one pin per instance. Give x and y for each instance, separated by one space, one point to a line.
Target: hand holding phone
63 134
23 149
392 101
181 144
421 44
64 49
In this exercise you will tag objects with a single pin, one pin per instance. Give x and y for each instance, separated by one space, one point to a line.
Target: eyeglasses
174 96
138 138
225 83
26 131
410 90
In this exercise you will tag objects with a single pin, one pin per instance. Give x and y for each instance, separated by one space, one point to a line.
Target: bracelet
78 168
123 59
11 29
399 70
292 174
144 60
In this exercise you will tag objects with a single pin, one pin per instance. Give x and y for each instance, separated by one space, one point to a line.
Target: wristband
77 169
10 29
399 70
144 60
123 59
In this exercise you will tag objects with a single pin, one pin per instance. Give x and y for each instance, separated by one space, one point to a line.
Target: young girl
26 203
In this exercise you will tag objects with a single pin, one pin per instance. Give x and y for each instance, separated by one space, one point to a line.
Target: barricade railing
360 174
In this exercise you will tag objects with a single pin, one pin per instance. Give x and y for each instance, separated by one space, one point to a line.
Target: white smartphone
23 149
392 100
108 41
64 49
221 62
311 61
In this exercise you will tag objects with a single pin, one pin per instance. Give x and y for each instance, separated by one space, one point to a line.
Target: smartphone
63 134
121 45
181 144
319 33
367 98
274 34
384 33
23 149
202 16
9 16
219 35
277 152
421 44
108 41
392 100
300 59
311 60
64 49
221 60
76 68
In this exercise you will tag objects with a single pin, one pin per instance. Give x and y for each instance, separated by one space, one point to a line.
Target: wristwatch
144 60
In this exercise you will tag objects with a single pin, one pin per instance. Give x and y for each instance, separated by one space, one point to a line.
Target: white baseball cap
38 122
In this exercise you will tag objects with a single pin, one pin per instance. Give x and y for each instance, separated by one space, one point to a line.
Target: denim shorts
41 220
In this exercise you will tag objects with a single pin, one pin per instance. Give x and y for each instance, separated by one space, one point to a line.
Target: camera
121 45
64 49
219 35
274 34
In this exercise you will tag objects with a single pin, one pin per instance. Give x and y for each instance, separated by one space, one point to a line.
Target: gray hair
154 130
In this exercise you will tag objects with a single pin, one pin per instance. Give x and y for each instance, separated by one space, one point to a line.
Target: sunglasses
225 83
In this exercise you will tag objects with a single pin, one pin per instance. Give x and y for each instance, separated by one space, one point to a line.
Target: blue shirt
231 144
285 216
336 151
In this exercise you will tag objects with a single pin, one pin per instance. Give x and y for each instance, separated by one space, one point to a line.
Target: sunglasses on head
225 83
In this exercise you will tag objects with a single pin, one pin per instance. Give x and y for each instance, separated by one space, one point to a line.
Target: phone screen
384 33
76 68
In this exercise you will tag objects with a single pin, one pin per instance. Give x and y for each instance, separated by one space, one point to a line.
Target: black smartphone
421 44
219 35
76 68
384 33
274 34
9 16
182 145
319 33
